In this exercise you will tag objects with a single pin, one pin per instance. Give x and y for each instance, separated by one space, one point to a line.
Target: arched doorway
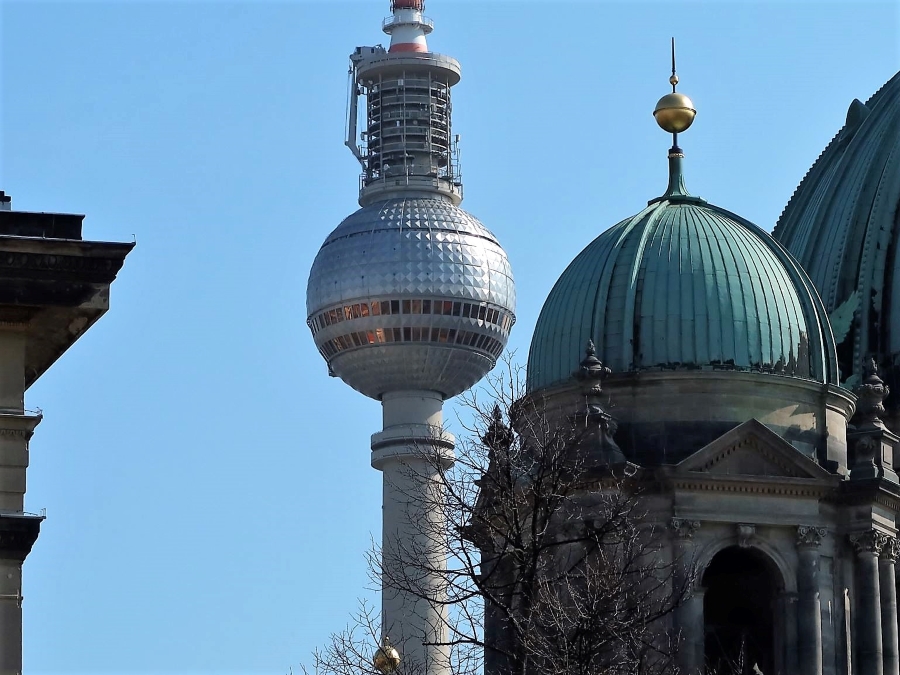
742 587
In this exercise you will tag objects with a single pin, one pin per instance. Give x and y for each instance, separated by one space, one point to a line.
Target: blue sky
208 487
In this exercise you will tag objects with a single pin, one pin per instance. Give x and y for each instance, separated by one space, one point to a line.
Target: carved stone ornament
870 541
591 371
595 444
684 529
810 536
745 534
871 394
21 434
864 451
891 550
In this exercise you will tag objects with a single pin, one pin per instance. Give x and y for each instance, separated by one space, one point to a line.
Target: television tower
410 301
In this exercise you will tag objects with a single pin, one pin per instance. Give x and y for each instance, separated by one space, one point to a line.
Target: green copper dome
684 285
843 224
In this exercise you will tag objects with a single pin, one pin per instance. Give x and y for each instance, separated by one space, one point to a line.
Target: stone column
18 531
869 654
886 576
688 616
809 609
788 606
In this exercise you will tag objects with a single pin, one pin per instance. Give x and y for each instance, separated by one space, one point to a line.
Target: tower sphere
411 293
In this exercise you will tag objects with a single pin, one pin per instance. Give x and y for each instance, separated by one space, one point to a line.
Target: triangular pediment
751 449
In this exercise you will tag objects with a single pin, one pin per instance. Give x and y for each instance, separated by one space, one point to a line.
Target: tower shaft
411 452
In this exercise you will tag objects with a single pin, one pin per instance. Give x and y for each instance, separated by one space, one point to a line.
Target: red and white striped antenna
407 26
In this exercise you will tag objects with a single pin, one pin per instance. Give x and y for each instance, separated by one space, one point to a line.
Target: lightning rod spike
674 79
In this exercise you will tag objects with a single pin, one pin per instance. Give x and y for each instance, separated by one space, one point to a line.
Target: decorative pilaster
18 531
867 604
809 609
886 575
689 616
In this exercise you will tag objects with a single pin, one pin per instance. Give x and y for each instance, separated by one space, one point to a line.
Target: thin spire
675 113
673 80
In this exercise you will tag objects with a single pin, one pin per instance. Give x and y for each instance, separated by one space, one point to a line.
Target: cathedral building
749 373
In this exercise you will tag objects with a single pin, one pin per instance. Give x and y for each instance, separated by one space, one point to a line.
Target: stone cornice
870 491
769 485
844 401
17 535
98 262
14 426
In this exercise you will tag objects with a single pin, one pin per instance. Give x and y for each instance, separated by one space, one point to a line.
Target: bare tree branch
549 568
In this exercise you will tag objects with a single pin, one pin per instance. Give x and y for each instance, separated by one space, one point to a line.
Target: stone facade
775 522
53 286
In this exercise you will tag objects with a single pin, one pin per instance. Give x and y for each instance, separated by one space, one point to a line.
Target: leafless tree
550 568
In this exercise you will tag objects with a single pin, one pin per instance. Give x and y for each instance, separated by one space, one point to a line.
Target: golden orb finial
674 112
387 659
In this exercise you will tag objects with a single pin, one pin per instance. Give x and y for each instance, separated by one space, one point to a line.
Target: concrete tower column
689 616
809 609
411 452
887 580
869 652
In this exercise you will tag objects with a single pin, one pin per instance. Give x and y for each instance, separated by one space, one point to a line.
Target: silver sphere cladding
411 293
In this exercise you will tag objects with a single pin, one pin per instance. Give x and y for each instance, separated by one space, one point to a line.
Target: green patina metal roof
842 224
683 285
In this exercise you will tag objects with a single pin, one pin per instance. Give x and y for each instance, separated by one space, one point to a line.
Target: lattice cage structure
408 127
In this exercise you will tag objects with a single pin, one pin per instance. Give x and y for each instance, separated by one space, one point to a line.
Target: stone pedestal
809 610
873 443
869 652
